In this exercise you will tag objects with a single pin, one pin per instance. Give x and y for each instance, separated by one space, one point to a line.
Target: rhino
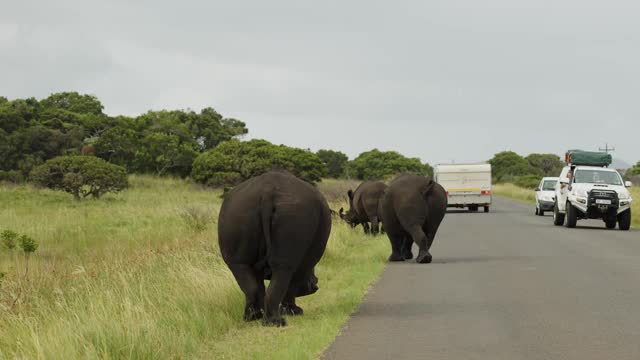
412 209
364 206
274 227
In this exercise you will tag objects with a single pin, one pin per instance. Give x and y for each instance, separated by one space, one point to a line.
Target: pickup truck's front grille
603 194
602 203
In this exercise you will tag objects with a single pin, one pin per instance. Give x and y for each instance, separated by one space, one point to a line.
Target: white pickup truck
467 185
592 192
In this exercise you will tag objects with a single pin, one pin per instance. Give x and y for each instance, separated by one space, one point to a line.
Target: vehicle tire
473 208
558 218
572 216
611 223
540 213
486 209
537 213
624 220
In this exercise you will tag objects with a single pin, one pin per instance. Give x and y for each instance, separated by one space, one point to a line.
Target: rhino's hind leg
419 237
275 294
253 289
289 306
396 247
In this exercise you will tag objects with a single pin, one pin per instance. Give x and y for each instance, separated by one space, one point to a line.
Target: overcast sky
440 80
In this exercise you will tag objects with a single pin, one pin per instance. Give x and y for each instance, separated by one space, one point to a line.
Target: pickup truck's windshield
549 185
598 177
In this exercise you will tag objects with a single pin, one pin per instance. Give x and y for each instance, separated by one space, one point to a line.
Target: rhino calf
273 226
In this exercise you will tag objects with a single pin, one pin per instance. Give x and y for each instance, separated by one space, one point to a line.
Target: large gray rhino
412 209
274 226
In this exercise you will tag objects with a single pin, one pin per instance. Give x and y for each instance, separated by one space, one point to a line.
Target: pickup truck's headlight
581 193
624 195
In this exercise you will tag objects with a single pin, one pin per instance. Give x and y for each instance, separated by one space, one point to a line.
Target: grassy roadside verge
130 276
528 196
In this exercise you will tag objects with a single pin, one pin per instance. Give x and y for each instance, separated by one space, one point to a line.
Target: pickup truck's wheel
611 223
558 218
537 211
540 212
572 216
486 209
624 220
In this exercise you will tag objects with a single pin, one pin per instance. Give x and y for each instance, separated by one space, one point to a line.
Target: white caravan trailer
467 185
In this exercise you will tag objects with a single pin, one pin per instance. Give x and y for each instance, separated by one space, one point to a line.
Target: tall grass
139 275
526 195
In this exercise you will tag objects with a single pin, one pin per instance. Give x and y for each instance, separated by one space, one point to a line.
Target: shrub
9 239
234 161
80 176
27 244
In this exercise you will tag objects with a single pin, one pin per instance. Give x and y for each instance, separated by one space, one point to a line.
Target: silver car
545 195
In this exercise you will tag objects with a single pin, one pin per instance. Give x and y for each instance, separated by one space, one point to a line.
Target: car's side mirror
537 189
564 181
628 184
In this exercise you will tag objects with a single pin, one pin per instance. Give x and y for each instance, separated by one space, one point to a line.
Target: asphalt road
505 285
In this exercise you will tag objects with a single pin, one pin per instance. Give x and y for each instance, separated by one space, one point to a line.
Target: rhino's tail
427 189
266 211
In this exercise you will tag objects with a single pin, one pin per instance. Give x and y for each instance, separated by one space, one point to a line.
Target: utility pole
607 149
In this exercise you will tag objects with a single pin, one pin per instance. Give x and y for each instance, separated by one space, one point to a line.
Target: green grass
527 195
133 276
514 192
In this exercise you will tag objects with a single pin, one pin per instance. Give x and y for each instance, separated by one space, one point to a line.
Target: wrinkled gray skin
412 209
363 206
274 226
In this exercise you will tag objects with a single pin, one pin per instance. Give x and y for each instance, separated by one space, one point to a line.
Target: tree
162 153
550 164
80 176
74 103
635 170
508 165
376 165
335 161
234 161
118 145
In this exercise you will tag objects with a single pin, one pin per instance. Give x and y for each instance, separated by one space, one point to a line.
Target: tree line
161 142
203 145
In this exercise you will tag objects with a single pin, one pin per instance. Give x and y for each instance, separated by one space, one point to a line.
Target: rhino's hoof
408 256
396 257
291 309
277 322
424 258
252 313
